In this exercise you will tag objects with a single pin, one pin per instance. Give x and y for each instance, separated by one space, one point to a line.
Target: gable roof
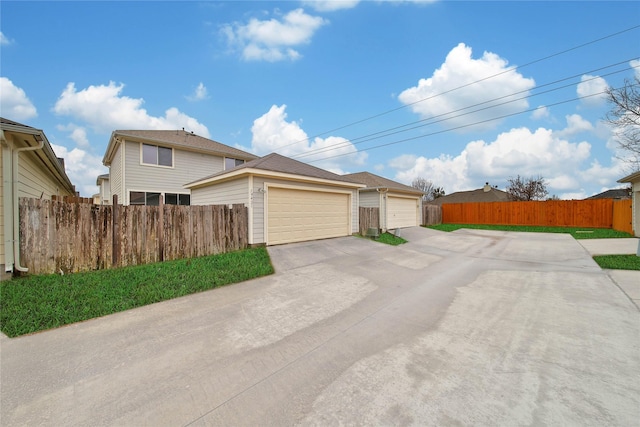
278 164
46 155
634 177
179 139
374 182
616 193
487 194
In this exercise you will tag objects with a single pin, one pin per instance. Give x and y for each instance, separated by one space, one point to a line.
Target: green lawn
618 262
36 303
391 239
576 232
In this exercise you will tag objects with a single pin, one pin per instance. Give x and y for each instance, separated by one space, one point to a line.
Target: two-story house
145 164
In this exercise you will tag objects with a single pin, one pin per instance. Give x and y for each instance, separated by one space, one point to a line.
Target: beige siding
369 199
2 189
115 176
226 193
34 181
105 192
187 167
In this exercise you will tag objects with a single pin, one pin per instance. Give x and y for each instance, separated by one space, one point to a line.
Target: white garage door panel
401 212
299 215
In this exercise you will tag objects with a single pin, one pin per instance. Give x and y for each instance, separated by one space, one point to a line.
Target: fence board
431 215
562 213
59 236
622 216
369 218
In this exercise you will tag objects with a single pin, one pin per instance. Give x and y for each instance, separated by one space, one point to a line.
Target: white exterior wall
34 181
187 167
635 211
226 193
370 199
115 175
258 202
105 192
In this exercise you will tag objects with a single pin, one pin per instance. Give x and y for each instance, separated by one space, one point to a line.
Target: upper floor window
230 163
155 155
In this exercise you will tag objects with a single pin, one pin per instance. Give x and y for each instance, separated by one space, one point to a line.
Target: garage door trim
268 186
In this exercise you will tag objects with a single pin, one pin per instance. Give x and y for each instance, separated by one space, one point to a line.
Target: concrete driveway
465 328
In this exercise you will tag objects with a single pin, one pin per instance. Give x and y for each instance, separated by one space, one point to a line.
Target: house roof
104 177
280 165
486 194
634 177
178 139
49 159
617 193
374 182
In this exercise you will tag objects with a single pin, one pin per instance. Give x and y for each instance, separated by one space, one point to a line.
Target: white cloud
82 168
273 133
575 125
331 5
76 133
478 80
104 109
541 112
4 40
273 40
14 103
592 87
516 152
636 66
200 93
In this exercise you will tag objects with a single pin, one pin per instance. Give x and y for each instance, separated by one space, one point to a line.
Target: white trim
268 185
250 208
268 174
173 157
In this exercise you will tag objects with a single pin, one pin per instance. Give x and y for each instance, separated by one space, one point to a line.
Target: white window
230 163
155 155
153 199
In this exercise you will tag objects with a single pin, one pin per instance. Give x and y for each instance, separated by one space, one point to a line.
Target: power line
467 125
443 116
468 84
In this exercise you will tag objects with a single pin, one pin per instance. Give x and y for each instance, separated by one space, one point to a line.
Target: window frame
157 155
235 160
180 198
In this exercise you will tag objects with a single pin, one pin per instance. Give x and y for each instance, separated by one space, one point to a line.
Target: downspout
383 196
16 206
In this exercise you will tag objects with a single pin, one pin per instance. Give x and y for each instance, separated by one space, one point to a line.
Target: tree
624 117
430 191
533 188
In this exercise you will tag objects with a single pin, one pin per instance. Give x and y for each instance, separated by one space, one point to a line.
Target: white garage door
295 215
401 212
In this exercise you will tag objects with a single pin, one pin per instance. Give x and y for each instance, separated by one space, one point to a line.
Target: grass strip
618 262
36 303
390 239
576 232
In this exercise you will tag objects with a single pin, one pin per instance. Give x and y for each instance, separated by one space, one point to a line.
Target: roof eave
630 178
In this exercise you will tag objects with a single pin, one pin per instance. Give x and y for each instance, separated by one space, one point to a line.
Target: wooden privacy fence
561 213
623 216
369 218
431 215
56 236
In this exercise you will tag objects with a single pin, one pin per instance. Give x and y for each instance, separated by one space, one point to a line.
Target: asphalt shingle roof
375 181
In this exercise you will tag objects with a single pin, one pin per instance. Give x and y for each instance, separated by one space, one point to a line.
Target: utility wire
467 125
535 61
443 116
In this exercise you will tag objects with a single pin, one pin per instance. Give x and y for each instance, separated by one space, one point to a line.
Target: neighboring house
145 164
400 205
29 168
287 200
484 194
634 180
104 190
616 194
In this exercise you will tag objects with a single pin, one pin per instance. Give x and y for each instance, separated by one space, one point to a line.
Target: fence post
115 224
161 229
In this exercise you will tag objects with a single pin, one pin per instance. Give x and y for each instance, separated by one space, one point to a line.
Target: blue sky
460 93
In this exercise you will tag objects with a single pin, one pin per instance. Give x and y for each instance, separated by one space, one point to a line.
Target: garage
401 212
296 215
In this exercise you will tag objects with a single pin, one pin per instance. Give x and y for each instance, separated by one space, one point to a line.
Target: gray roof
616 193
473 196
178 139
278 163
373 181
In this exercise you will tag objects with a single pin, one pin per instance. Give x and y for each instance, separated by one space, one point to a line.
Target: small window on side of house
155 155
230 163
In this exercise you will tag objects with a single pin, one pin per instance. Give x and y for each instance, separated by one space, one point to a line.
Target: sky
459 93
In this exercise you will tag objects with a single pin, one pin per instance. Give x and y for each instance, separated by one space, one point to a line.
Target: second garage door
401 212
296 215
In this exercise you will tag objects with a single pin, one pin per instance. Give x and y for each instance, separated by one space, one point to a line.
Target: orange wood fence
622 216
560 213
